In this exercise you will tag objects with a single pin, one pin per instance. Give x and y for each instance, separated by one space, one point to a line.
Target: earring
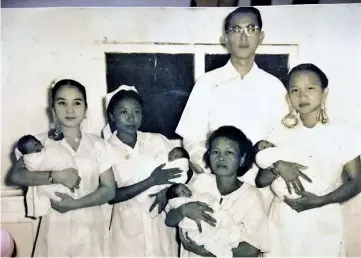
291 119
322 116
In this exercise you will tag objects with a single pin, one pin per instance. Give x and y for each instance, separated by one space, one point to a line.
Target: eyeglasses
250 30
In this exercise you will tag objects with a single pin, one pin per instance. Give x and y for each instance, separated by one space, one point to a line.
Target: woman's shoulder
251 192
95 140
341 126
154 138
42 137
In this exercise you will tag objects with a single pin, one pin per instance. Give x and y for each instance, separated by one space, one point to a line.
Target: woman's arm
159 176
245 250
20 176
289 171
191 246
265 177
345 192
196 211
174 217
129 192
350 188
104 193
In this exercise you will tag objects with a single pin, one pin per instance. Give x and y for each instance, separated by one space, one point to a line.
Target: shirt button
127 156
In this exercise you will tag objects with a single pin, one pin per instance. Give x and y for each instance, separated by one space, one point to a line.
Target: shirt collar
114 140
231 71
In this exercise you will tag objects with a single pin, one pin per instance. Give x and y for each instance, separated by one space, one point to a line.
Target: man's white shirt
254 104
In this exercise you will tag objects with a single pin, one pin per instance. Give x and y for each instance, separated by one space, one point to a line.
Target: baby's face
175 154
33 146
183 191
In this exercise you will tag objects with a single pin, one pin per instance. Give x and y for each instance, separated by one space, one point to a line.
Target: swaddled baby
267 154
177 158
51 157
219 240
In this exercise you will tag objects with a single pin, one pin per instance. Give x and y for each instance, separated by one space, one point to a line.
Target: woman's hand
196 211
307 201
67 177
66 204
162 176
191 246
290 172
160 200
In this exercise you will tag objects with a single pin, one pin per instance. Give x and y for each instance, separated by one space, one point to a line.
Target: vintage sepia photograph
180 128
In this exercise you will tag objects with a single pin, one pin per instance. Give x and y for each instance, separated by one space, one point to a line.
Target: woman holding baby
309 221
235 209
136 230
73 226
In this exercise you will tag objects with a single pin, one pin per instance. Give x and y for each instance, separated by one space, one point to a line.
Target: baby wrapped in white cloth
268 154
177 158
219 240
51 157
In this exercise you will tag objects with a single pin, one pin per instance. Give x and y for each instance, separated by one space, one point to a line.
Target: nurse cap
107 133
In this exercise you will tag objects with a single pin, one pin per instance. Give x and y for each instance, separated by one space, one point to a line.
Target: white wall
39 45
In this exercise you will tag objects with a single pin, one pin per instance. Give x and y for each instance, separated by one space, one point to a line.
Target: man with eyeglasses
239 94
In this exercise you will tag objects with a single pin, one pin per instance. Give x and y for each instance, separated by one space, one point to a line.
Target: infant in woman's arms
52 156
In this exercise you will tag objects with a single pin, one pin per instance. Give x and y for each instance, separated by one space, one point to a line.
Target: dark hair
184 152
23 141
243 10
172 191
245 146
309 68
68 82
119 96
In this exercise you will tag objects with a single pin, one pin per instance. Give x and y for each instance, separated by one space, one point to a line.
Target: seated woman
134 232
312 224
229 155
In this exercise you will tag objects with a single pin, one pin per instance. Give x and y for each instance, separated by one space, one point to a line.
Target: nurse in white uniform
75 226
135 232
312 225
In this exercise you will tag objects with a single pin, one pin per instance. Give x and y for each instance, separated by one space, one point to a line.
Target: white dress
245 206
315 232
76 233
134 232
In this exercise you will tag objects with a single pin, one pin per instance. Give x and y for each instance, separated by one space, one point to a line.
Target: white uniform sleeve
106 155
193 125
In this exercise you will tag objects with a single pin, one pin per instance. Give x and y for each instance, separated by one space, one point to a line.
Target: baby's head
29 144
261 145
178 190
229 152
177 153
